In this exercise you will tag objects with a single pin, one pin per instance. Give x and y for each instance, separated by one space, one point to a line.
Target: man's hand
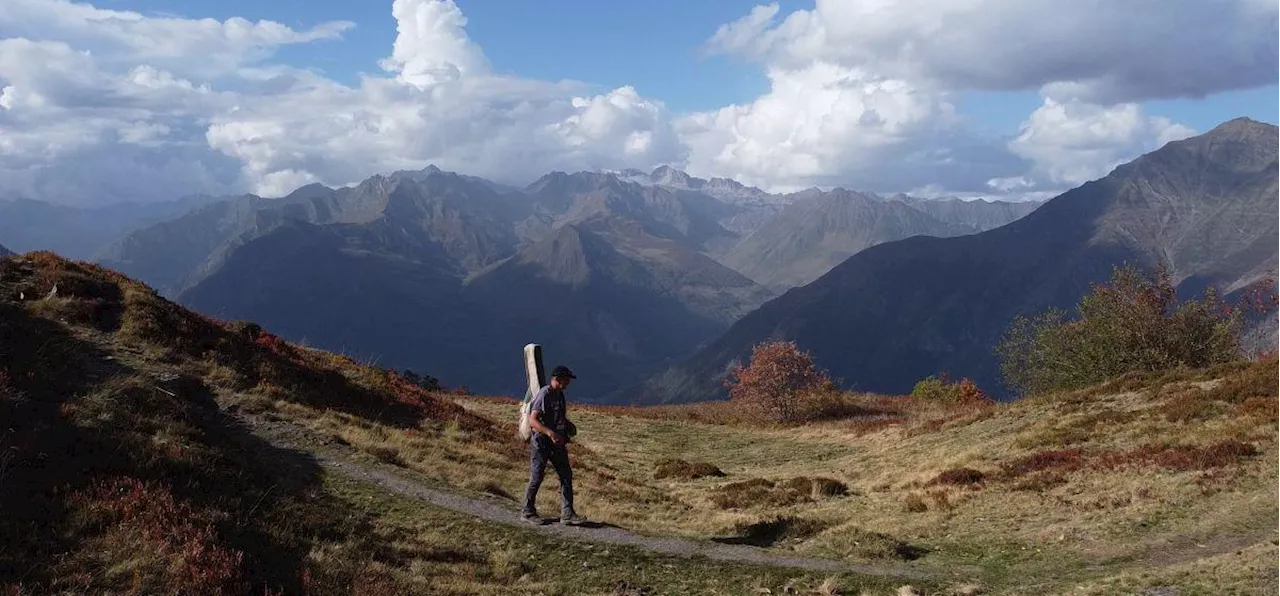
556 438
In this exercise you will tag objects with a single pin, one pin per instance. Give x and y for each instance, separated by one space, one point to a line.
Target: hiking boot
572 519
531 518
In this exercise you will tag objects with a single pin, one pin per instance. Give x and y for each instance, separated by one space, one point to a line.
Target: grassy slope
124 470
1135 484
109 384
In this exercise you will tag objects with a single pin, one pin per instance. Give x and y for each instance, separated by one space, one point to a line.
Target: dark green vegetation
1132 324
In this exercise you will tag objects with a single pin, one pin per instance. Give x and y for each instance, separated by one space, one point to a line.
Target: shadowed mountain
898 312
603 294
4 252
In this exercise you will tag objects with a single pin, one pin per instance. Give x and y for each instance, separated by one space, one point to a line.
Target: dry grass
126 474
1080 487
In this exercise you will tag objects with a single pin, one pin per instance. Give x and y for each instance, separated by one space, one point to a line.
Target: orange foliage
780 384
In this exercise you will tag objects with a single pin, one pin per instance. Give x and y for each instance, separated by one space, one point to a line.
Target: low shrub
958 477
778 529
758 491
682 470
1065 460
781 384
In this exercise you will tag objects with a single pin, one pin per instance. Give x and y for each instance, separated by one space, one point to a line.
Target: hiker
552 430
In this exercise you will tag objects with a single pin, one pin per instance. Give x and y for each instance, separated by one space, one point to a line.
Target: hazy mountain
819 230
688 218
979 215
79 232
4 252
469 218
900 311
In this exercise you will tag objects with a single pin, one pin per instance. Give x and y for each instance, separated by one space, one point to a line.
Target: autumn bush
1134 323
781 383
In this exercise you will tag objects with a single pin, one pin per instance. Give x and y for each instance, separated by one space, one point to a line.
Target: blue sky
655 46
994 98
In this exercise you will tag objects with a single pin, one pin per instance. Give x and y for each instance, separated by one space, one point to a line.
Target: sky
149 100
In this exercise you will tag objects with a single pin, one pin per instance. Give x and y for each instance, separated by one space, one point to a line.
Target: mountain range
621 272
894 313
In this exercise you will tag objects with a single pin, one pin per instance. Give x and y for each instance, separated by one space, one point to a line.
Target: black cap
562 371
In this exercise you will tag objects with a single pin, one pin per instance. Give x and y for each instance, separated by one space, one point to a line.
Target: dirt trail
288 436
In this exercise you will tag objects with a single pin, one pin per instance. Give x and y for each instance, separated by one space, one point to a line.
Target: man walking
552 429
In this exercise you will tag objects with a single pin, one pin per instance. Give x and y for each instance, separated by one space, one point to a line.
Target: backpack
535 379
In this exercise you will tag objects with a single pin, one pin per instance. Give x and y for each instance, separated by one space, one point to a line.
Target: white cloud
432 45
285 126
1110 51
103 105
1074 142
192 47
816 121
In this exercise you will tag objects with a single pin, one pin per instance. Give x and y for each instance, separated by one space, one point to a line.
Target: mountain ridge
900 311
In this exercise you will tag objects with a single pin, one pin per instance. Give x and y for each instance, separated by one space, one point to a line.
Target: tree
780 384
1132 324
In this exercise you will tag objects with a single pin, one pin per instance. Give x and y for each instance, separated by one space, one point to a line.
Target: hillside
144 455
157 451
4 252
901 311
1151 483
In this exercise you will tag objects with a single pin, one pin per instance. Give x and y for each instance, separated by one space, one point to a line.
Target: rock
908 591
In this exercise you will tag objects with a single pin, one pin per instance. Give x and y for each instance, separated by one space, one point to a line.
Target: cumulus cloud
818 121
193 47
1074 142
864 89
101 91
1109 51
101 105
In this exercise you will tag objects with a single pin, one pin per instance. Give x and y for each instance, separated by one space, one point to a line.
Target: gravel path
285 435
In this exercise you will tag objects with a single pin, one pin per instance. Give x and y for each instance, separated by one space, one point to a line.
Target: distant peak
670 176
1241 126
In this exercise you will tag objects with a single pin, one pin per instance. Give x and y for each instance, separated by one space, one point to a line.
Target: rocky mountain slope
898 312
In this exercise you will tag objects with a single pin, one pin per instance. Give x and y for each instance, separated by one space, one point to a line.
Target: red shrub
147 518
1062 459
1182 457
958 476
779 382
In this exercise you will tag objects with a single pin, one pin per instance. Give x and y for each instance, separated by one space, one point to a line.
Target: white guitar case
535 379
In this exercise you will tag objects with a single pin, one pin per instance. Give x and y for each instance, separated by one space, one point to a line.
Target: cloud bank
101 105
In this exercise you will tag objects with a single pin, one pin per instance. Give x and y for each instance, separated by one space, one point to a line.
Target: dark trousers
541 451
